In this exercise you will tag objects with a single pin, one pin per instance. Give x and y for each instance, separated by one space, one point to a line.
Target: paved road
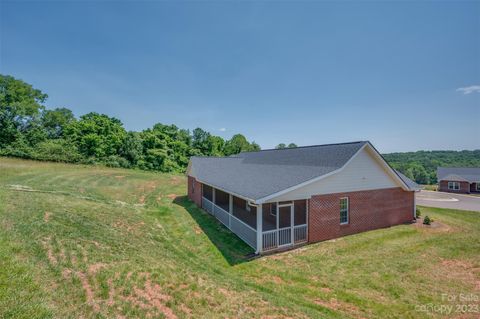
448 200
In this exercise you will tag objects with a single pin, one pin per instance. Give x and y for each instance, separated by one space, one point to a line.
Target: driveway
448 200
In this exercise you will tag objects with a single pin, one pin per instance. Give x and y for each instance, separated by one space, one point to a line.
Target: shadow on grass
233 249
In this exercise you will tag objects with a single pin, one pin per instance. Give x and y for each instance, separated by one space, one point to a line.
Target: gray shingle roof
469 174
411 184
255 175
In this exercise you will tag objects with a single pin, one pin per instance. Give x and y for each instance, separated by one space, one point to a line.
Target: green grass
110 243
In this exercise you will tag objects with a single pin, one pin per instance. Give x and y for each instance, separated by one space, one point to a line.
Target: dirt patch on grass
175 180
46 217
52 259
335 304
198 230
131 228
93 269
172 196
120 176
435 226
151 298
461 270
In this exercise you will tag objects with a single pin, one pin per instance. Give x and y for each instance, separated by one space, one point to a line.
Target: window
247 206
273 209
193 187
454 186
478 187
344 210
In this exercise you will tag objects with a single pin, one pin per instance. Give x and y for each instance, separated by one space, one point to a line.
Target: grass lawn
82 241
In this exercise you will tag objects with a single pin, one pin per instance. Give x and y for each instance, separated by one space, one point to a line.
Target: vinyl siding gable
363 172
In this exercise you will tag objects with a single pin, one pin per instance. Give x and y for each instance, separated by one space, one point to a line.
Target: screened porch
279 224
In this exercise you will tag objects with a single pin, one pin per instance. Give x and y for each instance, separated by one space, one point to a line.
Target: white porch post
259 228
277 223
292 224
230 210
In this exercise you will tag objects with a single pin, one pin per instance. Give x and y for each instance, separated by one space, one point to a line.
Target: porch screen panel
207 192
222 199
300 216
240 211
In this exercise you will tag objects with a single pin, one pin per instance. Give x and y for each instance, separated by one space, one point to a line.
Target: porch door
285 225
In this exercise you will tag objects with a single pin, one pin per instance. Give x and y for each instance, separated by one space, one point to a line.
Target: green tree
238 143
97 135
132 148
283 145
20 107
55 121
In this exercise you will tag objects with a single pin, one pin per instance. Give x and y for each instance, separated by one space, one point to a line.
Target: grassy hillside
82 241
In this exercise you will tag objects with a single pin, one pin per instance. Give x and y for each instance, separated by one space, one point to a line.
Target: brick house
274 199
464 180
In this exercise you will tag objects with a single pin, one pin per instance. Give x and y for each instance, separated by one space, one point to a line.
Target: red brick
368 210
464 187
195 193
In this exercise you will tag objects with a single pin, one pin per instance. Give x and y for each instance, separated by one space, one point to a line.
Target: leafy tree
97 135
200 141
55 121
30 131
132 148
20 107
255 147
238 143
283 145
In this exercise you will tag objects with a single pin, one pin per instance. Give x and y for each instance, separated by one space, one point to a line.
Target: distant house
280 198
459 179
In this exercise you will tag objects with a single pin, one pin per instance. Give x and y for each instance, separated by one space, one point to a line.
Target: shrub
57 150
427 220
418 213
117 161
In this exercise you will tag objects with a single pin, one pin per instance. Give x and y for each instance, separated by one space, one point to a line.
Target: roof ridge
306 146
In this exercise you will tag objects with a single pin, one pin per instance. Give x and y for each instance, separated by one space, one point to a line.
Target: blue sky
305 72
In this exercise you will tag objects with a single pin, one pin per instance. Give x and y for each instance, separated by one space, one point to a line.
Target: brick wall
473 188
195 191
367 210
464 187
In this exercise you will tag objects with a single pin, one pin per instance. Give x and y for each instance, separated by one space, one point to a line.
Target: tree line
29 130
421 166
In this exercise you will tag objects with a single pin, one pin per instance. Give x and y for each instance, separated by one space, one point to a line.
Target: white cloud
222 129
469 89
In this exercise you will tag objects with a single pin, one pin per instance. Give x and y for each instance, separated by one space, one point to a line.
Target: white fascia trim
266 198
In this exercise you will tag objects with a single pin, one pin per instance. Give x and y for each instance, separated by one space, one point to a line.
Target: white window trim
455 186
247 206
348 210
